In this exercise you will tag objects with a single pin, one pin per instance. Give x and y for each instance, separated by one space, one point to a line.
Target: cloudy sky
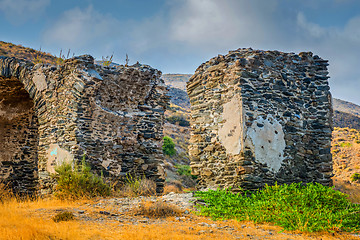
176 36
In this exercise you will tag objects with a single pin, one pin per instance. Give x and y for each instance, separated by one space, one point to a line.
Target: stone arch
19 137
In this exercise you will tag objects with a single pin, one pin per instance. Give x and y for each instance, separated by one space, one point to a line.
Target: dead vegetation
63 216
137 186
5 193
157 209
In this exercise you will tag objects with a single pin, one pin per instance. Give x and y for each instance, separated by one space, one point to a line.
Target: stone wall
18 136
113 115
260 117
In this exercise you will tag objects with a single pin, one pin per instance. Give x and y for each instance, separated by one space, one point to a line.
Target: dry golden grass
158 209
346 161
5 193
30 220
173 188
28 54
17 221
352 189
135 187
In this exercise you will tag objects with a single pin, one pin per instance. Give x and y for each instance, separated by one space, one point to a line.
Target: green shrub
78 182
345 144
311 207
184 170
168 146
355 177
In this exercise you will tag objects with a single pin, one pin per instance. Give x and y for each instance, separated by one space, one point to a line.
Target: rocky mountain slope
176 80
346 114
346 107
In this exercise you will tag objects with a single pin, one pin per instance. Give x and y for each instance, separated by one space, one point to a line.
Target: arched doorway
18 137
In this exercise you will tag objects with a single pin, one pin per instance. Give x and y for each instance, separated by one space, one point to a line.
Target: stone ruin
54 114
260 117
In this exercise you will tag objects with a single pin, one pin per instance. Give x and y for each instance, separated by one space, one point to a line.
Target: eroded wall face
217 126
126 114
282 105
18 137
113 116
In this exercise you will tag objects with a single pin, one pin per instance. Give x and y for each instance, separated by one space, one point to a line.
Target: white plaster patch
266 140
231 132
39 80
56 156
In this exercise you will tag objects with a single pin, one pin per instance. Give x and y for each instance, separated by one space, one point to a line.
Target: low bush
157 209
311 207
184 170
63 216
168 146
355 177
138 186
78 182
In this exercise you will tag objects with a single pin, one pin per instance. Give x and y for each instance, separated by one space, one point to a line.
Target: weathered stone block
55 114
271 122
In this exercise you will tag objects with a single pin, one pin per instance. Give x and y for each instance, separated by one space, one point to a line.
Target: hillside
346 107
346 114
176 80
346 161
24 53
343 120
179 97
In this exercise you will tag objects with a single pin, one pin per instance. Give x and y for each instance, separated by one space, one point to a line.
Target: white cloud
209 23
80 28
313 29
352 29
189 30
18 11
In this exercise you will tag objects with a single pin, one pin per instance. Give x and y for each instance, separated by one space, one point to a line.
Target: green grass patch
309 208
355 177
184 170
345 144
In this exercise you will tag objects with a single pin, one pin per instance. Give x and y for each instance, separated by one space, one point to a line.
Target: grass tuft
158 209
5 193
63 216
309 208
138 186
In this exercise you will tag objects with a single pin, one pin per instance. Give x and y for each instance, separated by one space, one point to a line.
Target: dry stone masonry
54 114
259 117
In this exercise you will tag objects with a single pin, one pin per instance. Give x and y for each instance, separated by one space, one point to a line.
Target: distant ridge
346 114
346 107
176 80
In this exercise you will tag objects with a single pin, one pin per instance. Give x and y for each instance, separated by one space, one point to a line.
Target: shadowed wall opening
18 137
